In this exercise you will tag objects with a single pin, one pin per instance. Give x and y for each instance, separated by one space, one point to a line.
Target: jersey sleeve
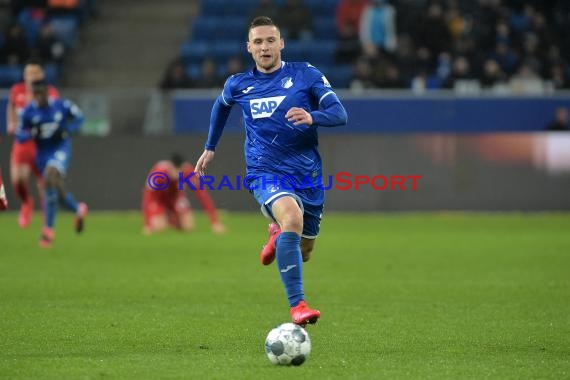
24 129
11 114
74 116
320 86
219 115
331 112
226 96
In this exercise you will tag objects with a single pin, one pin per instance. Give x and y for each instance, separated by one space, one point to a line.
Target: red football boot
26 211
303 314
268 252
46 239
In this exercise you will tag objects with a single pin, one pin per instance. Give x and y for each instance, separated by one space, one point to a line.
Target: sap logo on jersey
264 107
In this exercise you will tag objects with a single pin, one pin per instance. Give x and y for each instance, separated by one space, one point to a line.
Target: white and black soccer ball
288 344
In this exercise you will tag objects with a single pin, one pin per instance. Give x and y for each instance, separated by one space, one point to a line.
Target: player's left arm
25 130
74 117
331 112
11 114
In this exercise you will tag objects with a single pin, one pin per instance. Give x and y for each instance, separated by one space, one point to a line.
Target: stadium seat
322 52
194 51
322 8
194 70
324 28
296 50
52 73
10 74
219 28
217 8
65 28
224 50
339 75
31 20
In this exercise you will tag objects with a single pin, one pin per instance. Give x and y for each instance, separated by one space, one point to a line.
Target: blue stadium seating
220 32
194 51
322 52
10 74
193 70
338 75
65 28
295 50
324 28
322 8
31 21
224 50
52 73
232 8
219 28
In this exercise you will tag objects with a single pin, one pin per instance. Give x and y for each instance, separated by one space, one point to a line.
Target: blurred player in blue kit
51 123
283 104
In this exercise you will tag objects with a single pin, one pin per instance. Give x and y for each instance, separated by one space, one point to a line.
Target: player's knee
158 224
292 223
187 227
51 177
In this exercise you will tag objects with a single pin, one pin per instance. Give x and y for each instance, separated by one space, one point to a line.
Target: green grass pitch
402 296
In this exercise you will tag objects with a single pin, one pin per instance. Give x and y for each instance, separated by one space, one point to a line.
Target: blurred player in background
283 103
169 206
51 122
3 199
23 157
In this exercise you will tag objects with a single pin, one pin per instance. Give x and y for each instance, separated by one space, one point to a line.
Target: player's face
33 73
41 96
264 45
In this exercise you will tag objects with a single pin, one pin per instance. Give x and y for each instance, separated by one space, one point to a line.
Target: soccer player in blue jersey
283 104
51 123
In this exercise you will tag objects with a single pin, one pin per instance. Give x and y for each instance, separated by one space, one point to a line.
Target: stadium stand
440 44
50 30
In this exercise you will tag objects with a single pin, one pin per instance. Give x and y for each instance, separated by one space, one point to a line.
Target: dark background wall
528 171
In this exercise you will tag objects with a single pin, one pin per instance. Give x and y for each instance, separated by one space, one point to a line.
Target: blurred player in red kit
165 205
23 156
3 199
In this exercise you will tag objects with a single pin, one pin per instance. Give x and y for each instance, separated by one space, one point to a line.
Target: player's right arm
11 114
25 130
218 118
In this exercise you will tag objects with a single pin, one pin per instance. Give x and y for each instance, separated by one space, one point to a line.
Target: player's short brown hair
262 21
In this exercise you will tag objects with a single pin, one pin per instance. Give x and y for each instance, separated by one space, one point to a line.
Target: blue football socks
51 200
290 265
70 202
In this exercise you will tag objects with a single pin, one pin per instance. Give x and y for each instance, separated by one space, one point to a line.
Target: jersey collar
259 74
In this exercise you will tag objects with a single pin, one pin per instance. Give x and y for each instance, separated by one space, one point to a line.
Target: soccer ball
288 344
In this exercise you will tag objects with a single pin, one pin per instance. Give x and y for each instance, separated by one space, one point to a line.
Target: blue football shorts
58 158
311 201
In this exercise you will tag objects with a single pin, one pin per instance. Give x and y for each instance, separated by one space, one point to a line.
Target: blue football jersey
273 144
51 125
